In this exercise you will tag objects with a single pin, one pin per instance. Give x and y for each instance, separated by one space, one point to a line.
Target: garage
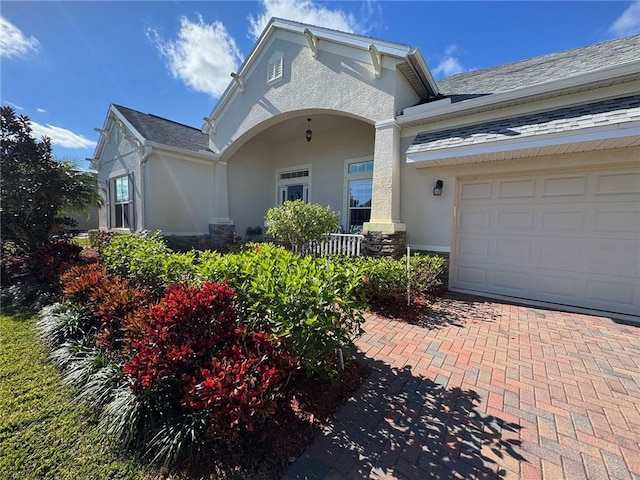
569 238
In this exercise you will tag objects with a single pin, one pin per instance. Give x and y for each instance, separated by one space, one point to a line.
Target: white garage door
571 239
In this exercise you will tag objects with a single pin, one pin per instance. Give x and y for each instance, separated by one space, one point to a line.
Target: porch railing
337 244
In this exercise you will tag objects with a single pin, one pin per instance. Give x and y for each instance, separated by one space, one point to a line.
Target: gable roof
542 69
165 132
411 61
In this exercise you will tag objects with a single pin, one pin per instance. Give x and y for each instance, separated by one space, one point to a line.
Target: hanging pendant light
308 134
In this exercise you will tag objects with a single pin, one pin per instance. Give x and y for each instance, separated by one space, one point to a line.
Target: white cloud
628 23
61 136
450 64
41 110
203 55
11 104
13 43
305 11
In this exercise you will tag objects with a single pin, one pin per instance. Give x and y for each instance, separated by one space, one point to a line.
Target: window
122 204
275 67
360 167
293 184
359 187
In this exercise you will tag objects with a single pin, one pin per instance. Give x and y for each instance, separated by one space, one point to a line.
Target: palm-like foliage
35 188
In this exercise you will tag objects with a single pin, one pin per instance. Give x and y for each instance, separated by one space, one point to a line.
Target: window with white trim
359 189
293 184
275 67
122 204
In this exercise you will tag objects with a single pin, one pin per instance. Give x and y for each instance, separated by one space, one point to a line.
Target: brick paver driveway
488 390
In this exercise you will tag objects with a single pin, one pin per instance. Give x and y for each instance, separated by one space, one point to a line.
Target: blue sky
63 63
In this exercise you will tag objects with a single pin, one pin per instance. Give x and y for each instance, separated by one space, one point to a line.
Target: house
527 174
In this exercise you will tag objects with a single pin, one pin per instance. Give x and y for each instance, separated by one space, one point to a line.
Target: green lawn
44 432
82 241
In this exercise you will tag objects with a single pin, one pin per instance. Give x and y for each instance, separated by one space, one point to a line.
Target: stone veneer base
221 233
379 244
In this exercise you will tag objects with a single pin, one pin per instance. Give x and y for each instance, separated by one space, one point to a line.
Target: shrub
194 358
386 278
311 303
59 324
299 223
146 261
47 262
79 282
99 239
30 280
115 302
108 298
35 186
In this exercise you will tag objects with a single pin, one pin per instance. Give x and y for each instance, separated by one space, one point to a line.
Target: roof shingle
607 112
542 69
165 132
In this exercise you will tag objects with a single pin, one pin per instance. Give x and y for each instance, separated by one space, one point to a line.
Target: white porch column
221 227
220 195
385 202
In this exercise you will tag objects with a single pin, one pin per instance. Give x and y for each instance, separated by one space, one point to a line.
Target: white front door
298 191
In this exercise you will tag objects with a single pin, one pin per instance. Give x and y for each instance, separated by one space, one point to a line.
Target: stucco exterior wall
405 95
250 182
429 219
120 157
179 195
84 223
330 82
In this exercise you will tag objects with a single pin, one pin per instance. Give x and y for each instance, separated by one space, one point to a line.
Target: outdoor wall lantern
437 190
308 133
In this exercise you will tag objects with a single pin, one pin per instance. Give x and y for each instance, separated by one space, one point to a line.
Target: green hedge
315 305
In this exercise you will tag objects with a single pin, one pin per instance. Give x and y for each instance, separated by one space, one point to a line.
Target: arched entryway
277 163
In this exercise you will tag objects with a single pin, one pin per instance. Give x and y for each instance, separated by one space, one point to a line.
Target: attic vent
274 67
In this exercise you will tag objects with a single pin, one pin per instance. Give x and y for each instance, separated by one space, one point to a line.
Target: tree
34 187
300 223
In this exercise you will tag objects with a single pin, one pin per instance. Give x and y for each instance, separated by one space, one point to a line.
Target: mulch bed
400 311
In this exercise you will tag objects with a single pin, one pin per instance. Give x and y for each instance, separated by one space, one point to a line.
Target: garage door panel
564 186
472 277
559 288
613 257
475 191
512 282
514 248
563 221
478 247
475 220
521 221
562 254
618 184
617 218
611 292
510 189
571 239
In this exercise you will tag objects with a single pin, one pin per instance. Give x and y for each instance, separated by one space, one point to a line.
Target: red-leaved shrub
79 281
43 265
111 300
194 350
116 300
48 262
